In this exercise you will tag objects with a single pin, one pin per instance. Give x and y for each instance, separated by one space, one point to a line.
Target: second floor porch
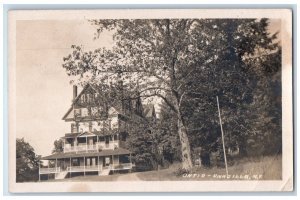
96 147
89 142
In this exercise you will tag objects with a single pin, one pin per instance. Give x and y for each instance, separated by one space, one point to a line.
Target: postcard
150 100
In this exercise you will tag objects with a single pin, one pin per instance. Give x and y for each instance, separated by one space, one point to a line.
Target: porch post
97 143
98 166
130 162
84 165
64 144
55 168
48 168
85 143
75 144
70 167
113 167
39 170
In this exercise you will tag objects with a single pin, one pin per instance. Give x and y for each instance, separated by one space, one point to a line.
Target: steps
61 175
104 172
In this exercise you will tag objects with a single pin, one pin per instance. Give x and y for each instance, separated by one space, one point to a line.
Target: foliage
58 146
143 149
27 165
244 75
166 135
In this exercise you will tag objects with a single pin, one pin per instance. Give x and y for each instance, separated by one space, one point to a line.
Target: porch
60 165
81 147
95 168
90 143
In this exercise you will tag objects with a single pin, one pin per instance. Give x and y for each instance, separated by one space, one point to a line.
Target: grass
263 168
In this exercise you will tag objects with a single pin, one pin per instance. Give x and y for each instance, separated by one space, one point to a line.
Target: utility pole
222 137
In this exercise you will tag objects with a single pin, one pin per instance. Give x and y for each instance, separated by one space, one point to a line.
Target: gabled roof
97 89
68 112
75 100
116 104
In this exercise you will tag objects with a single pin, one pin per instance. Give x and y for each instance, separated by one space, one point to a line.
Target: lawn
113 177
263 168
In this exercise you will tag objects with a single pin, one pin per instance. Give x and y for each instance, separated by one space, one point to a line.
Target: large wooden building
99 127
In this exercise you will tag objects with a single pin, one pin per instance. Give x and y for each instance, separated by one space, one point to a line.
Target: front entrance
106 161
91 161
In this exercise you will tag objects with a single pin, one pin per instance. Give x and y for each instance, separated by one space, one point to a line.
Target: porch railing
49 170
94 147
84 168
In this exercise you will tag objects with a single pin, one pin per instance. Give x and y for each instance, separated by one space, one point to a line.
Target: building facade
99 127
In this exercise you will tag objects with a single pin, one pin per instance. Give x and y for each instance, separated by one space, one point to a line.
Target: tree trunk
185 145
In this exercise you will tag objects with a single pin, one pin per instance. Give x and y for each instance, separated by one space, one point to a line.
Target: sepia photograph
150 100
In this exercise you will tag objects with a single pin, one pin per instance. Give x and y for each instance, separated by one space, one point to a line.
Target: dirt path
128 177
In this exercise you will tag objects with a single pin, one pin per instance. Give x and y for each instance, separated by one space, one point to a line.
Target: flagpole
223 142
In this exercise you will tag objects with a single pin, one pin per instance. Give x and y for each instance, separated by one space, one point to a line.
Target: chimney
74 91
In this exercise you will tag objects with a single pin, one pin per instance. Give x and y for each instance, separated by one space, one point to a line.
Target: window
94 111
116 137
89 98
73 128
92 97
77 112
84 127
75 162
84 112
107 138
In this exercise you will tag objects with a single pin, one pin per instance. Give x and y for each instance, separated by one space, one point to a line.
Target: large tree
165 56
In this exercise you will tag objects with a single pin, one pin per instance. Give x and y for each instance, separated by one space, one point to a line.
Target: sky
44 93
